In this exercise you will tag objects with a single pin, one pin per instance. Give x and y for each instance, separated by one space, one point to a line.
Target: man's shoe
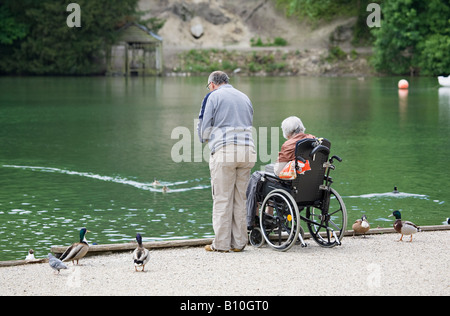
212 249
237 250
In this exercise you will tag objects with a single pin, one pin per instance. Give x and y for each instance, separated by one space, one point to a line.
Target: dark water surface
84 152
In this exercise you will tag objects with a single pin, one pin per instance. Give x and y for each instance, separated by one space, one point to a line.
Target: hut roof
137 33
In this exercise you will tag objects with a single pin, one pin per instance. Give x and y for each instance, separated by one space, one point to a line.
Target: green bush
315 10
336 53
256 42
277 41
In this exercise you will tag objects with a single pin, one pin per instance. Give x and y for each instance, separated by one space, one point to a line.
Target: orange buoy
403 84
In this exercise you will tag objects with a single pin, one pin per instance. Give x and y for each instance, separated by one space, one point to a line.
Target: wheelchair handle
337 158
322 148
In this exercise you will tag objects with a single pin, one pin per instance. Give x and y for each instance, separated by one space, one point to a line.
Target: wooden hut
138 52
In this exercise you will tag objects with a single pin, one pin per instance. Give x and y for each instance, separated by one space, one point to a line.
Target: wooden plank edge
391 230
14 263
95 249
111 248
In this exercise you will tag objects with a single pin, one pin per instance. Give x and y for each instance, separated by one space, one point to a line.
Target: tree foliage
434 48
11 30
34 38
38 40
414 37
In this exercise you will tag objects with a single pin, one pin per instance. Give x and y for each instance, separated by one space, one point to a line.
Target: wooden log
21 262
391 230
435 227
95 249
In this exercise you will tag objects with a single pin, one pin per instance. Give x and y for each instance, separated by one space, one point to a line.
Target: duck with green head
77 250
404 227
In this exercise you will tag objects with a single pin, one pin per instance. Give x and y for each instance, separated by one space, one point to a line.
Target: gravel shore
375 265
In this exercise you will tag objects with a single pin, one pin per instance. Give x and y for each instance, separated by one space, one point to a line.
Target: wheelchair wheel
256 238
279 220
327 227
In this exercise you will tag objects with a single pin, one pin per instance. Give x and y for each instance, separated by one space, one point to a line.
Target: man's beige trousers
230 170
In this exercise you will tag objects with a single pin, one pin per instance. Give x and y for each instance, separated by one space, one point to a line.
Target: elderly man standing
226 120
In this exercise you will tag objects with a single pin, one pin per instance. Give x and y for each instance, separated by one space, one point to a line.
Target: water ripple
389 194
139 185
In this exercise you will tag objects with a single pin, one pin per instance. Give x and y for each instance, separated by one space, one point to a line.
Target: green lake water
83 152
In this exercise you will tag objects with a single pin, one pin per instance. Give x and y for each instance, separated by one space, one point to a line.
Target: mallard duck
395 190
361 226
165 189
55 263
141 255
404 227
30 255
156 182
77 250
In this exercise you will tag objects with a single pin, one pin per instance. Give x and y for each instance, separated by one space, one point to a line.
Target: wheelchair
309 199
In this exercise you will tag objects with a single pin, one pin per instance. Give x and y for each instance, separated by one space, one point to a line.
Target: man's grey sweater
226 117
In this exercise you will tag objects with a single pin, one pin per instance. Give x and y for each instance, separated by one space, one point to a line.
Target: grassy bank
273 62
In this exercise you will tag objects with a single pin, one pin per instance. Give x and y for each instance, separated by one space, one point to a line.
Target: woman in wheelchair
281 201
294 131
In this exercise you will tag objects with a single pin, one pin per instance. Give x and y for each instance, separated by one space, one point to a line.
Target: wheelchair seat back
306 187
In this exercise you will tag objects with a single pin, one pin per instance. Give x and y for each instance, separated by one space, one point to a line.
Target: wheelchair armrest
270 175
273 176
